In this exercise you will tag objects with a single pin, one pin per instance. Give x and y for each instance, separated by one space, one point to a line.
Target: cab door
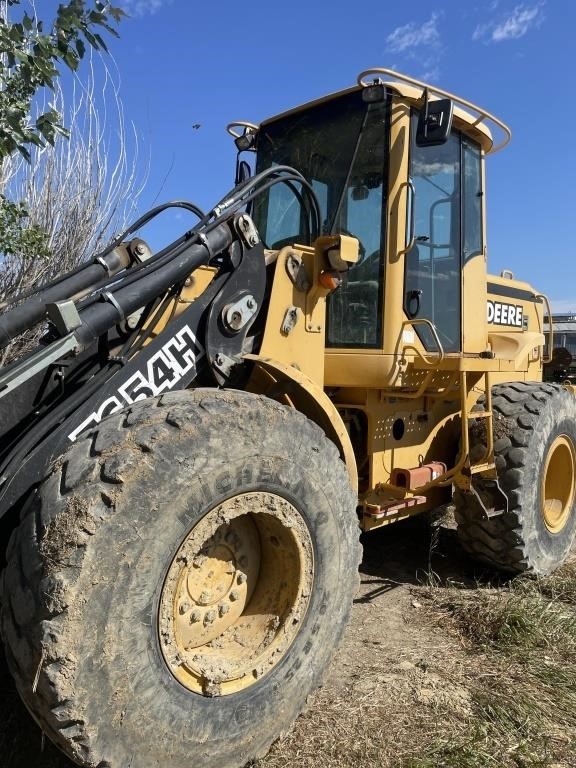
433 266
445 270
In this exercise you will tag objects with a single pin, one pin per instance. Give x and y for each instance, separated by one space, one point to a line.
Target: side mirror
434 122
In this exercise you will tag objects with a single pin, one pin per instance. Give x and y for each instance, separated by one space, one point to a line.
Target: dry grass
355 729
501 692
560 586
520 641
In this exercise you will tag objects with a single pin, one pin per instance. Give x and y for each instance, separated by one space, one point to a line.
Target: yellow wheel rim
559 484
235 594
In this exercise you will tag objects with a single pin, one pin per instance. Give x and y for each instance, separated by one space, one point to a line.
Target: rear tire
122 563
535 450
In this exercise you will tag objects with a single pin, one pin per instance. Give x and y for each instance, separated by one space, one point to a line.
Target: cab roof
473 120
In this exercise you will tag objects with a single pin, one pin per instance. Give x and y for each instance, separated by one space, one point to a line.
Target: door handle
413 297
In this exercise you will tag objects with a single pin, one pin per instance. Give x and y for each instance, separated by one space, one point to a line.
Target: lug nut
209 617
241 578
234 595
195 617
223 609
184 608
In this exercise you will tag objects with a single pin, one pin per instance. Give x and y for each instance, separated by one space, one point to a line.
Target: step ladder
486 463
477 480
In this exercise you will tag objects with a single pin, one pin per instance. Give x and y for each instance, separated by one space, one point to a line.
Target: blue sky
184 64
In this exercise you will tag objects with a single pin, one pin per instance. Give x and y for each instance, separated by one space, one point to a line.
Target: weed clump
521 638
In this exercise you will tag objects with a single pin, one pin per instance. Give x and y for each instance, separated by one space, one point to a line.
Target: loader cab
415 206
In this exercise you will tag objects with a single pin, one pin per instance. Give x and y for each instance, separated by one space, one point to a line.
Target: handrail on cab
483 114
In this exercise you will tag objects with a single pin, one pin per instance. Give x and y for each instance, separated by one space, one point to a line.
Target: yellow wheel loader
189 456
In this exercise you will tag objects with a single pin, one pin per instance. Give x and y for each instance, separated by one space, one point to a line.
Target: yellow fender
281 381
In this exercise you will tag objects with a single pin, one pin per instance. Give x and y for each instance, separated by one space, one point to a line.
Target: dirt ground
401 688
390 671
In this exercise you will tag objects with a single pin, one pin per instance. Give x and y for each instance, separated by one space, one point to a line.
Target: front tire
535 454
178 585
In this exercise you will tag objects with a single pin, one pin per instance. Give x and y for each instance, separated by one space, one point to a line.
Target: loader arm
114 336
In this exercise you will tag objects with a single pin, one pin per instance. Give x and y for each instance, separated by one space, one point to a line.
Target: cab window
447 231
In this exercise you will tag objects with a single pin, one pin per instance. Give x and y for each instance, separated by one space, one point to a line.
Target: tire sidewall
549 548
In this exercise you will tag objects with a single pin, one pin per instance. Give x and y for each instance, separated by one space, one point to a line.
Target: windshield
340 147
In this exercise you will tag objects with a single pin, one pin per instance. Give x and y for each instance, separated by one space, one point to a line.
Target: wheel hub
213 588
235 594
559 484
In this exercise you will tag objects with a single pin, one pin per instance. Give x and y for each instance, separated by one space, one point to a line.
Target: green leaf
95 17
111 30
24 152
117 14
59 129
91 39
101 43
71 59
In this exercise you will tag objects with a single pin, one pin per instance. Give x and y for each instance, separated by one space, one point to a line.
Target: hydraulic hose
157 273
33 310
115 305
102 268
237 198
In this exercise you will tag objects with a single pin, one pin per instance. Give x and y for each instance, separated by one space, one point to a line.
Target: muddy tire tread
504 541
99 464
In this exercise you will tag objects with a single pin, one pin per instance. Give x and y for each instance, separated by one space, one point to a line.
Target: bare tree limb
79 192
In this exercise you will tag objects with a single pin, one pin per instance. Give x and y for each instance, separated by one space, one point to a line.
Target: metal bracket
110 298
64 316
24 370
224 363
486 496
237 314
247 230
289 321
297 272
225 332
